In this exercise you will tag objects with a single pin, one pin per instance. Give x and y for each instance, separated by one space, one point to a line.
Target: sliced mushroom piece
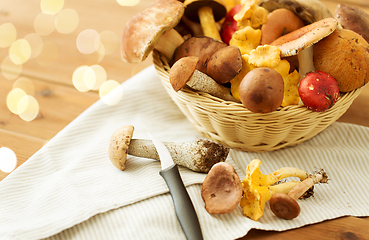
144 31
183 73
202 47
222 189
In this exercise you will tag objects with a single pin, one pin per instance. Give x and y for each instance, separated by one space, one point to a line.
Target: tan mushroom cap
222 189
345 56
300 39
143 31
119 144
181 71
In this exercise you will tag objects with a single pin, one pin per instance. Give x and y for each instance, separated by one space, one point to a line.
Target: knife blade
183 205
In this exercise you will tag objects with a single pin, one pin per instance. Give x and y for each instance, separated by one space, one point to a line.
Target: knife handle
184 208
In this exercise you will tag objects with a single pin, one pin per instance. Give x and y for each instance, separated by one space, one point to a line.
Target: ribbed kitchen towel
70 190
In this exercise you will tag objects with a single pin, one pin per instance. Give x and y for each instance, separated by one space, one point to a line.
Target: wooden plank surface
60 102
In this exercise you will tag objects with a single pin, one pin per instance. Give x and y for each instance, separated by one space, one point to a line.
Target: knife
184 208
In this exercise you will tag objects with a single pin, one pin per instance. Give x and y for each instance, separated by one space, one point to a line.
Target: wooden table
51 74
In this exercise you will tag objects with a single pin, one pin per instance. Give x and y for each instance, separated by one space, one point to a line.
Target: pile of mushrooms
222 190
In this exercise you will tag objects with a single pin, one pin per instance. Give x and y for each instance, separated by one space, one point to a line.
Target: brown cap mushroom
183 73
198 156
202 47
142 33
308 10
345 55
207 12
354 19
119 145
225 64
222 189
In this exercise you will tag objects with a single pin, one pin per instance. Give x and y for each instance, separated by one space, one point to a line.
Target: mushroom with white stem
183 72
198 156
152 28
300 42
285 205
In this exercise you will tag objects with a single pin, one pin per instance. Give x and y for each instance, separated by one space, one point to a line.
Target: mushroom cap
293 42
345 56
193 6
308 10
284 206
353 18
181 71
143 31
222 189
202 47
119 144
225 64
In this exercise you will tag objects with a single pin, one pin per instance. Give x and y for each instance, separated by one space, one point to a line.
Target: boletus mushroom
184 73
198 156
222 189
152 28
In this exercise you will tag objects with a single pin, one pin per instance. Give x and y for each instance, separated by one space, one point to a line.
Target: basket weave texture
232 125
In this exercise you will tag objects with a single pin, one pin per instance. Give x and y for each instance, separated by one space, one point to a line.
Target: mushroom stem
301 188
168 43
202 82
198 156
285 205
208 23
306 61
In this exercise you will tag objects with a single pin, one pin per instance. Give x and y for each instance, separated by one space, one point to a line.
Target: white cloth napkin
70 190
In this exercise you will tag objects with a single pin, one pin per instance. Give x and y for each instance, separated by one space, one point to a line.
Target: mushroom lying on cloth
258 188
152 28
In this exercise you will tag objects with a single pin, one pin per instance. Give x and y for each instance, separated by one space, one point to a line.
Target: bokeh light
13 98
20 51
109 40
28 108
44 24
8 34
128 2
26 85
115 90
78 79
88 41
36 44
8 159
66 21
49 54
9 69
94 77
51 7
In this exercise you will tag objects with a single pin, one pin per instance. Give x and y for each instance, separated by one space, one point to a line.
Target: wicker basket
232 125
